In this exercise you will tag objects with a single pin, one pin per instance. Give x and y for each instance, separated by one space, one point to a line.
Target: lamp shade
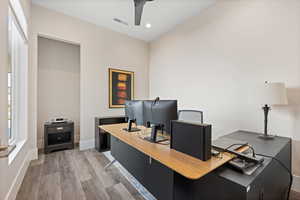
274 94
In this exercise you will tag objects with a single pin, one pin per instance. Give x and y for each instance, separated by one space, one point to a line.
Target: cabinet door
154 176
131 159
256 190
275 182
159 180
275 179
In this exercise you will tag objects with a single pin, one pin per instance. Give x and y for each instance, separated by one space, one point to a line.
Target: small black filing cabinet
58 136
102 139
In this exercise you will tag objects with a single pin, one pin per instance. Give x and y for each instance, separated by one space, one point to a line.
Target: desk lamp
273 94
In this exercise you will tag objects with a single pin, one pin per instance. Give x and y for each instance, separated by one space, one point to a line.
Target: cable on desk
221 151
252 149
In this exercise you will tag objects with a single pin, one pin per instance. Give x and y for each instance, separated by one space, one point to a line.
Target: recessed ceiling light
148 25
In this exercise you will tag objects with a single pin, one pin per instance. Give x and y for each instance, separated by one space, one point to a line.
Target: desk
181 163
171 175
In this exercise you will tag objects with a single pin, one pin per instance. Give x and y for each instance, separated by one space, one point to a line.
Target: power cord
252 149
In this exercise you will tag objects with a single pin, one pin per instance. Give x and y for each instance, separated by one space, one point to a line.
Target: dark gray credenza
58 136
102 139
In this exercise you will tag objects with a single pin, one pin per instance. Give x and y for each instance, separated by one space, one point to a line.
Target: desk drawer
59 129
59 138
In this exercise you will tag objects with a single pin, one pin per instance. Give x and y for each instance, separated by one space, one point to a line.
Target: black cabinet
102 139
58 136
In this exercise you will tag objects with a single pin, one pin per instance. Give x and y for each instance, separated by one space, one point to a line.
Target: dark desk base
154 176
269 182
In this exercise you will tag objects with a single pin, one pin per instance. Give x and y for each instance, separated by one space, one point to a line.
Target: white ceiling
162 14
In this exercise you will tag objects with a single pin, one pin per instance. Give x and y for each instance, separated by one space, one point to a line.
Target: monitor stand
158 139
154 138
132 129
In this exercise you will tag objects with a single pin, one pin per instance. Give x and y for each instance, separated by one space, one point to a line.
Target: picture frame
121 87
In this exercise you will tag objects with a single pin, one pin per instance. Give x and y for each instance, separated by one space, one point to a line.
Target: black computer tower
191 138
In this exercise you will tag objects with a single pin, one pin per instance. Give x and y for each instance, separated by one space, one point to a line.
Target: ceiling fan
139 6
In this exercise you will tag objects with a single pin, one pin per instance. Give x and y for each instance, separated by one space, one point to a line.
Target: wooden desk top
188 166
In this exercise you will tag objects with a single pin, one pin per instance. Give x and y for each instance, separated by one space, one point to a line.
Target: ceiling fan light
148 25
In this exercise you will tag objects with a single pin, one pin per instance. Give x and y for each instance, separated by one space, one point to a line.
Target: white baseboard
296 184
34 154
13 191
86 144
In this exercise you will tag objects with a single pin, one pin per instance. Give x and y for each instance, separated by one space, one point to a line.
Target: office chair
191 116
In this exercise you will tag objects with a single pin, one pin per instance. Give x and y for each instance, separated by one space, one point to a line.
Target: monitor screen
160 112
134 110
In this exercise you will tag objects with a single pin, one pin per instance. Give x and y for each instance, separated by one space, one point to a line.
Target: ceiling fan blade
139 7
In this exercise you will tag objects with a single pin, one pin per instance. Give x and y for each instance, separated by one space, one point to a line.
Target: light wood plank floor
78 175
75 175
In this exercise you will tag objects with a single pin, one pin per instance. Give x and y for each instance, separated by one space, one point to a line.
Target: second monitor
152 112
160 112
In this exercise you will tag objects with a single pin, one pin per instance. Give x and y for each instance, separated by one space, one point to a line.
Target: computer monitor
160 112
134 110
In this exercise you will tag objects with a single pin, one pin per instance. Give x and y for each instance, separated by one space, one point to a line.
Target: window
17 78
9 107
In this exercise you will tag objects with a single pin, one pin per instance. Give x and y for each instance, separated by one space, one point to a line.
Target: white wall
11 173
99 49
215 61
3 70
3 88
58 84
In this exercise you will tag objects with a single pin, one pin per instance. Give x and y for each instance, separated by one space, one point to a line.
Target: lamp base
266 137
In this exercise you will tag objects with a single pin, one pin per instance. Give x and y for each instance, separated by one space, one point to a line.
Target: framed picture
121 87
